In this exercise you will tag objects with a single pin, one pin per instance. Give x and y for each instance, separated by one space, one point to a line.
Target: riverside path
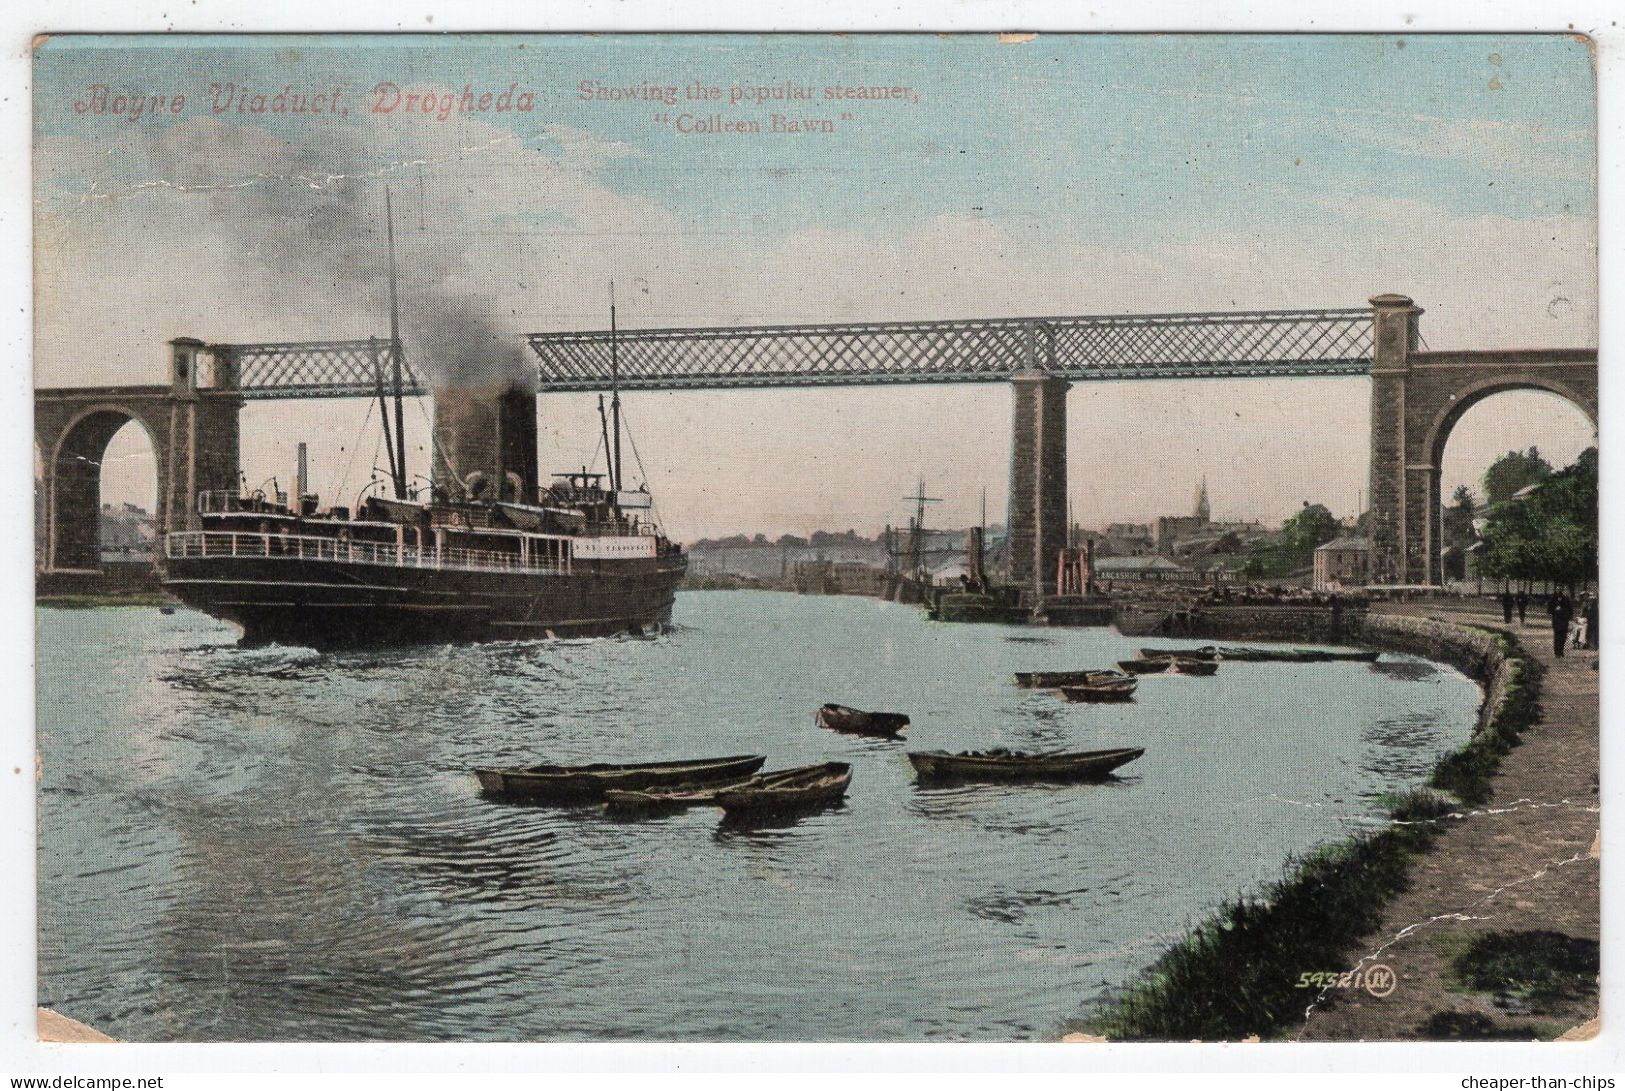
1527 861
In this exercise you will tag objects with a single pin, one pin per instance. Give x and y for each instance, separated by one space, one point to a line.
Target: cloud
1526 148
234 233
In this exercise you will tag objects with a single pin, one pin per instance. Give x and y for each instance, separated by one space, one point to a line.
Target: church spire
1203 511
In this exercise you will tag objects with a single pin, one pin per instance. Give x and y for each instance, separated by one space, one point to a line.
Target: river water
275 843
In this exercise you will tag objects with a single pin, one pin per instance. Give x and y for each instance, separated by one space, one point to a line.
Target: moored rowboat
1263 655
587 783
1207 652
1057 679
658 799
787 790
1121 690
1198 667
854 721
1313 655
662 799
1145 666
1013 765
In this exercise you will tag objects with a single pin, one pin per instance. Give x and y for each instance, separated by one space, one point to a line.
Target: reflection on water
275 843
1409 670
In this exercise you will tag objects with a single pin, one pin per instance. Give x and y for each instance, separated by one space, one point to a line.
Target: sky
1062 175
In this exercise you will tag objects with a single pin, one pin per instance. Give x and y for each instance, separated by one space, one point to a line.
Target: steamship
581 561
484 553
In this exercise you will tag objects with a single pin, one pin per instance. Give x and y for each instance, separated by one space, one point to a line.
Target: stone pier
192 424
1037 512
1417 398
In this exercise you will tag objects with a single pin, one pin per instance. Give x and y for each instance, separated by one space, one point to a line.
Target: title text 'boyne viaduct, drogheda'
1417 396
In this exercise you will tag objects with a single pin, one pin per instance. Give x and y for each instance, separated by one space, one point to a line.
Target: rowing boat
787 790
854 721
1180 652
1057 679
1122 690
588 783
660 799
1262 655
664 799
1145 666
1014 765
1300 655
1195 667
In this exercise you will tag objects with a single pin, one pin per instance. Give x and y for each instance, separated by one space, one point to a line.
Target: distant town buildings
826 577
1125 540
1177 535
128 533
1191 547
782 562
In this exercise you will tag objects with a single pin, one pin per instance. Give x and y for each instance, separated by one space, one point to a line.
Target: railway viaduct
1417 397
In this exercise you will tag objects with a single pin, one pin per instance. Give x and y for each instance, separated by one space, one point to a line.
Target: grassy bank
1466 773
1238 973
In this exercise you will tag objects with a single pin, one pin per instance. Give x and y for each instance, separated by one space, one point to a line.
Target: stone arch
1417 397
73 474
194 438
1458 404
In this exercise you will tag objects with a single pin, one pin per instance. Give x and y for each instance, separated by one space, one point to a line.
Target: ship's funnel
488 430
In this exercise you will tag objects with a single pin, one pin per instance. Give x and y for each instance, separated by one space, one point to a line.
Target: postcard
816 538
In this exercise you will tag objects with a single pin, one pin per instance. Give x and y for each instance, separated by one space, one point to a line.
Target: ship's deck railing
227 501
189 544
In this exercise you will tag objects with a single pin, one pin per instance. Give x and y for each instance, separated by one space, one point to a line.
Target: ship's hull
302 601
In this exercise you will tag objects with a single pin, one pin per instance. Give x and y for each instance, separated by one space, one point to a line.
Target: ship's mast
614 393
383 406
398 468
917 530
603 424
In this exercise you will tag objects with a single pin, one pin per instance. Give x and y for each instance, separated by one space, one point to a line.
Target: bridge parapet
316 369
1234 344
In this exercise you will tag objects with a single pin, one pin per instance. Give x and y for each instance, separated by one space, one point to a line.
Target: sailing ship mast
916 544
614 395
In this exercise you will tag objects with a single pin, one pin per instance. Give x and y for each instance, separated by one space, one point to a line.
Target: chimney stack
489 430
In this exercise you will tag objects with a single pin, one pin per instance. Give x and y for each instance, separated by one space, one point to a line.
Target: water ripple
279 844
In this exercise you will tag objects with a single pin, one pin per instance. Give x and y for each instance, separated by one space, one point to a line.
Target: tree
1458 520
1293 546
1513 471
1314 526
1549 534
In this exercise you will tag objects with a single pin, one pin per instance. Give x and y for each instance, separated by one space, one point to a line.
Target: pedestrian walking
1591 622
1506 606
1562 611
1579 639
1523 606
